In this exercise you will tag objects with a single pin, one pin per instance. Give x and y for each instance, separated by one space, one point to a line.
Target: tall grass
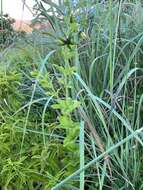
86 103
106 62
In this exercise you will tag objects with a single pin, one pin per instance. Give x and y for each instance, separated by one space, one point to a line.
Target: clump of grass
71 100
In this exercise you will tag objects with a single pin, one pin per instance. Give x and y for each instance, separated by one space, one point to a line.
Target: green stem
111 47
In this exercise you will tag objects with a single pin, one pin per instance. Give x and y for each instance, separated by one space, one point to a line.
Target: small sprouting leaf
67 106
67 123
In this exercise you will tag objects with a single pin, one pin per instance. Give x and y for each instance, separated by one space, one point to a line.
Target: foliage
6 29
86 69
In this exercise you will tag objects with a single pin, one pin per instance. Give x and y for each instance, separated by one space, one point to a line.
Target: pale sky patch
15 9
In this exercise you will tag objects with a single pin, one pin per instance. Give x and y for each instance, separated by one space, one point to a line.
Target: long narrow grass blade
81 142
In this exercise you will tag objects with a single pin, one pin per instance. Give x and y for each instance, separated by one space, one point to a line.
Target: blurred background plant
6 30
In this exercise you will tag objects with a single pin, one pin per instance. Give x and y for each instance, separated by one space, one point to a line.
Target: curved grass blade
32 96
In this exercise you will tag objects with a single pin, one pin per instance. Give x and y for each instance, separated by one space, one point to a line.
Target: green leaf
66 106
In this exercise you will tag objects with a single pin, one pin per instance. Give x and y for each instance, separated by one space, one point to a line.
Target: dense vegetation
71 99
6 30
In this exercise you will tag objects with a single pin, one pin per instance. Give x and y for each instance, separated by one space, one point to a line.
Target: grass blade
81 143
